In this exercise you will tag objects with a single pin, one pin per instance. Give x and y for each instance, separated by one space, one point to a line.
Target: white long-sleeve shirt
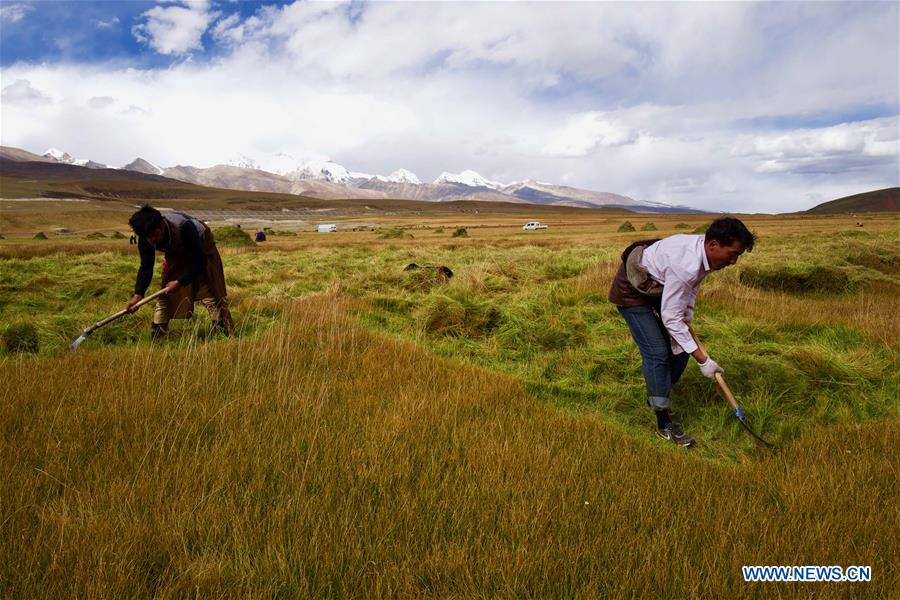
679 263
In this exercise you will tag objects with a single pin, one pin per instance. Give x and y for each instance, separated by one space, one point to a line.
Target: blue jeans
661 368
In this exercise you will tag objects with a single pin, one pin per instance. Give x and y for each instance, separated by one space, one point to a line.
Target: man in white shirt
655 289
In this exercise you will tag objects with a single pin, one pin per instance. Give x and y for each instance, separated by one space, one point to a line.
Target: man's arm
144 274
707 365
678 294
145 271
698 354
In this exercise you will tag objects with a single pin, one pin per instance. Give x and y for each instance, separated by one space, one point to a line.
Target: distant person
655 289
132 240
192 270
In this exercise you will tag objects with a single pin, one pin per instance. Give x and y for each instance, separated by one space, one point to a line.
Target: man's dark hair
145 221
728 230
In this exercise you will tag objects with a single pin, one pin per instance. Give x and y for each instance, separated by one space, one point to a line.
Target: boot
219 327
224 324
158 331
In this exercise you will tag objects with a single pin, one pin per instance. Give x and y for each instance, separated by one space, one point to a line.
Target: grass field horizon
373 432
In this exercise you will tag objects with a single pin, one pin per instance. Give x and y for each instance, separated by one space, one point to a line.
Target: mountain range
329 180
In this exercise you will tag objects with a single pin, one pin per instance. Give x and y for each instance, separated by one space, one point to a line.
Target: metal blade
751 432
78 341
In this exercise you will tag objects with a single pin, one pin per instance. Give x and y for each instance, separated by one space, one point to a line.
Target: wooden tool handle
721 381
125 311
719 378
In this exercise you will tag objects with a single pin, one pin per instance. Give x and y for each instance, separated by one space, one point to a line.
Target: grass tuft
21 337
395 233
883 259
702 228
234 237
423 279
798 279
460 232
458 316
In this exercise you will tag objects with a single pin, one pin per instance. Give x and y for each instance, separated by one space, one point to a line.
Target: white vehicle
327 228
532 225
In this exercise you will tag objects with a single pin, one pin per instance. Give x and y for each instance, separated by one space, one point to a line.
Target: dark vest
622 292
174 250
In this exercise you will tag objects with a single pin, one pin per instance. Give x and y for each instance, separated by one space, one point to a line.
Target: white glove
710 368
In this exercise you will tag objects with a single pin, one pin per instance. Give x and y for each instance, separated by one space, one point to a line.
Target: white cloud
229 30
12 13
101 102
175 29
584 133
109 24
21 91
827 149
656 101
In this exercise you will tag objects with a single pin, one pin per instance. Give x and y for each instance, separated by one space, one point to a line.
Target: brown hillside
886 200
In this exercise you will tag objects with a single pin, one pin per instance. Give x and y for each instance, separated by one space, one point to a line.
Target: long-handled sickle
111 318
738 411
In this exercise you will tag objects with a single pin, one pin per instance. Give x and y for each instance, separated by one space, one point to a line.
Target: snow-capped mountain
243 161
90 164
59 156
548 193
320 169
469 178
324 178
400 176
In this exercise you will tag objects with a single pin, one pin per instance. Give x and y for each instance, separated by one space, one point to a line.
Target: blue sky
724 106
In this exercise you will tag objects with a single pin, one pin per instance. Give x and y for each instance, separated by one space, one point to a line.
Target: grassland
375 432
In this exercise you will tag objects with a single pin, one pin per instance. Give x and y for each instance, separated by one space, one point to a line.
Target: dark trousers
661 368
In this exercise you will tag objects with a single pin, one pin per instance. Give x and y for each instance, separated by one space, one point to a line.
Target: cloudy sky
744 107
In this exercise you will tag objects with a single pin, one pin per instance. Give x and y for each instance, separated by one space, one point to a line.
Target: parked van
531 226
327 228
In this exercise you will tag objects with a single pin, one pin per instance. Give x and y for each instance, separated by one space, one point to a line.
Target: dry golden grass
322 460
315 458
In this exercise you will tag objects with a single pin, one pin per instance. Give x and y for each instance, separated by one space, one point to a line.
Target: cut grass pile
799 279
230 236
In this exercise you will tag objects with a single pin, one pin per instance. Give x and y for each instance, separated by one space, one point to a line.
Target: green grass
536 313
380 433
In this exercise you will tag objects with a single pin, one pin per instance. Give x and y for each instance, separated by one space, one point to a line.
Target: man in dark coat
192 270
